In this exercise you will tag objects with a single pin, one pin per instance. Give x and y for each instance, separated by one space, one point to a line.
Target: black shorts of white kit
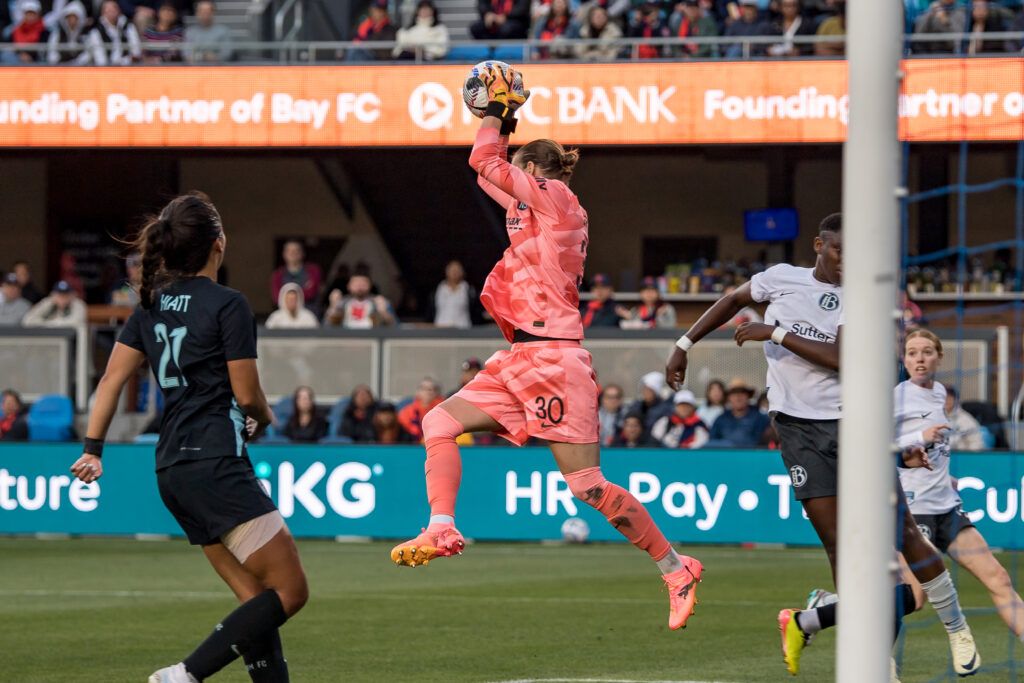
809 450
942 529
211 496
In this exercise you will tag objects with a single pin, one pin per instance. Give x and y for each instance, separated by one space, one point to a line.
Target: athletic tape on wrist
93 447
778 334
685 343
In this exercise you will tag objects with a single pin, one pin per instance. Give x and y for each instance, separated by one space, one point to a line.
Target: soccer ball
575 530
474 92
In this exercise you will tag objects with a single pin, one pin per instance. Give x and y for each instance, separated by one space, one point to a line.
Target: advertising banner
712 496
608 104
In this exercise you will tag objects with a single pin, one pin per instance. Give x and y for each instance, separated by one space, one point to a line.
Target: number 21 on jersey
172 350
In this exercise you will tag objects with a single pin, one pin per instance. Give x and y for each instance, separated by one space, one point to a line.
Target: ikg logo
431 106
348 490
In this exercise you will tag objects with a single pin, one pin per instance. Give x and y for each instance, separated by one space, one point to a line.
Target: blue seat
403 402
282 413
468 53
334 439
146 438
273 439
508 53
51 418
335 414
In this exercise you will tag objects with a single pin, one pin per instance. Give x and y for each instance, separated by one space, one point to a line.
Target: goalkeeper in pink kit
543 386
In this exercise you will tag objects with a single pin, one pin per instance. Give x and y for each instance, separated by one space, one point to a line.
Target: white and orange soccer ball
474 92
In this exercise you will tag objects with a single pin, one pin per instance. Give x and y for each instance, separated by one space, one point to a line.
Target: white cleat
173 674
819 597
966 660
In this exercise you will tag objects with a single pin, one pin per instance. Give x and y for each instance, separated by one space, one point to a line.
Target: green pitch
116 610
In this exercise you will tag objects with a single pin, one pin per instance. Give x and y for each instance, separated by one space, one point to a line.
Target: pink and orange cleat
442 540
682 589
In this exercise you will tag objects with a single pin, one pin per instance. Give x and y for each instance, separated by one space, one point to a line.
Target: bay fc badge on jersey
829 301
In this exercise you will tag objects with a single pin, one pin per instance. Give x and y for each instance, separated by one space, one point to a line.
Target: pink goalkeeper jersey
535 285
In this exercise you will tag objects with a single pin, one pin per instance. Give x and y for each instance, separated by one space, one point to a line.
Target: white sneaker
819 597
894 673
173 674
966 660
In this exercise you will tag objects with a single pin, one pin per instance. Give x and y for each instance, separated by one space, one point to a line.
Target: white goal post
871 245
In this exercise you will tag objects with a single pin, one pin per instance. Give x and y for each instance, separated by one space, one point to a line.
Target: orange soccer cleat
441 540
682 589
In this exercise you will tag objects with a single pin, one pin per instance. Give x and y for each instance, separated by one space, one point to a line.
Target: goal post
871 244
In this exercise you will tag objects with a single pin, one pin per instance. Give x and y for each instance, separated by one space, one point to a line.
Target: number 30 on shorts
550 409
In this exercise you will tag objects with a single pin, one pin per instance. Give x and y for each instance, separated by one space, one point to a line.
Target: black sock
827 615
904 604
265 660
237 633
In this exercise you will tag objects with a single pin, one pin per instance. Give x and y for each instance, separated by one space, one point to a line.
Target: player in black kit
200 340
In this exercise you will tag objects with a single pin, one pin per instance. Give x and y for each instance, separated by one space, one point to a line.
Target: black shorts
810 451
942 529
211 496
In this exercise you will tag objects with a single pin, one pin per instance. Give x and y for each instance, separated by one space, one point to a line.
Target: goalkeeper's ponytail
550 158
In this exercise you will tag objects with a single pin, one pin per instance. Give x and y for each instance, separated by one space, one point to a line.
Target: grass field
115 610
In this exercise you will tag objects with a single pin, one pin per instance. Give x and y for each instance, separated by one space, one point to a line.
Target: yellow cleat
793 639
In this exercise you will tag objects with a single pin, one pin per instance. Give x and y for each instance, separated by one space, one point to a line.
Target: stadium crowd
121 32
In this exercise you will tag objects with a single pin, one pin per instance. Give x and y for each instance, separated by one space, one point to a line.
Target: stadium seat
282 413
335 440
468 53
146 438
403 402
508 53
51 419
335 414
273 439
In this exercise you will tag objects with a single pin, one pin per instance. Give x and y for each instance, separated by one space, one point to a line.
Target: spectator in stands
501 20
357 421
359 310
651 406
28 290
428 395
748 25
13 306
69 273
125 291
833 26
207 42
1016 26
68 38
375 27
29 30
556 28
652 311
683 428
13 426
742 425
790 24
306 424
944 16
295 269
425 32
541 9
647 22
385 422
966 432
471 367
633 434
611 413
689 20
61 309
291 313
601 311
713 404
143 13
454 298
114 40
987 18
166 30
597 25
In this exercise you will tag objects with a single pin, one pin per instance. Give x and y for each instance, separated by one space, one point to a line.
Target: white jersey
807 307
929 492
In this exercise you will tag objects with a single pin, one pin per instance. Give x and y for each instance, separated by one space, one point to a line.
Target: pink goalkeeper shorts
543 389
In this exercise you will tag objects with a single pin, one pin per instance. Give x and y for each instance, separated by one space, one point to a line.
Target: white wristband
778 334
685 343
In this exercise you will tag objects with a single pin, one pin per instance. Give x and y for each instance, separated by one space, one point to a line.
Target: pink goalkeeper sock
443 468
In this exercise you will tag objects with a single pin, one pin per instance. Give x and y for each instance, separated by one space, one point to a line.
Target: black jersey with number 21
193 329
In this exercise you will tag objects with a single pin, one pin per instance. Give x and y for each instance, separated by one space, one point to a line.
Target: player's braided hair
176 243
550 158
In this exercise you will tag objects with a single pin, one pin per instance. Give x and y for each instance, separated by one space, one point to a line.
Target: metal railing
287 51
